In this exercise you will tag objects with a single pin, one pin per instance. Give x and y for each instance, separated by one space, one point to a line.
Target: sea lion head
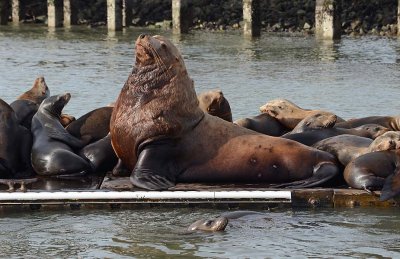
320 120
277 107
40 87
387 141
54 105
214 103
375 130
212 225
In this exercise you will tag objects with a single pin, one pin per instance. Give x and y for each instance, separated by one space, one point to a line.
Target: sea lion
288 113
24 111
311 137
263 123
37 93
348 147
375 171
160 133
66 119
100 154
15 145
53 147
214 103
220 222
390 122
315 121
92 126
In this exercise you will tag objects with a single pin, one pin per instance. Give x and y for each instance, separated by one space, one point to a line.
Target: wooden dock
119 193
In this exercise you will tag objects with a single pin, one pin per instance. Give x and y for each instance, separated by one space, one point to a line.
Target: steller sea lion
288 113
37 93
53 147
15 145
348 147
214 103
263 123
315 121
162 136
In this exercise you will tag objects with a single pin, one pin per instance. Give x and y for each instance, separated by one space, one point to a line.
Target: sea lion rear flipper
391 187
323 172
155 168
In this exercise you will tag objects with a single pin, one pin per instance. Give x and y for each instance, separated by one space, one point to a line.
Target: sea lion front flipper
323 172
63 136
391 187
156 168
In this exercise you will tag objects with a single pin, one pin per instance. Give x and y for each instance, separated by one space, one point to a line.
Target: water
354 77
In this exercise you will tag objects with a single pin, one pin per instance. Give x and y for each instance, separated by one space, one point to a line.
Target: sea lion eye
163 45
208 222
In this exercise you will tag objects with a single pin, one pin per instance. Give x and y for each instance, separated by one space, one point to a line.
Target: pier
119 15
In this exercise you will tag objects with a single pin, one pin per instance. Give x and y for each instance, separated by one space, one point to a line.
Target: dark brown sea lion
66 119
92 126
214 103
390 122
376 171
220 222
288 113
160 133
311 137
15 145
24 111
348 147
315 121
53 147
37 93
263 123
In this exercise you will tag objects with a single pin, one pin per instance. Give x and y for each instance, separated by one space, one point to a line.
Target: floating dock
119 193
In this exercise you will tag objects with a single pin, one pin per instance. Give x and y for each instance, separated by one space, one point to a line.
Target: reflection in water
359 79
328 50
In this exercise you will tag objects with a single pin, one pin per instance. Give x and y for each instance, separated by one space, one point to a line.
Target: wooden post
3 12
126 13
181 16
54 13
251 18
327 19
398 18
17 10
70 13
114 15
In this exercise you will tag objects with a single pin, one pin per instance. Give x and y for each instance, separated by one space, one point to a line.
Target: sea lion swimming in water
163 137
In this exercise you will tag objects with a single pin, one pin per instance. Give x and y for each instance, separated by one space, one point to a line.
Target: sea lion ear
155 168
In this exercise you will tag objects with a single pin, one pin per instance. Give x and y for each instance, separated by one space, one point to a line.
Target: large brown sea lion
38 92
15 145
376 171
263 123
161 134
53 147
390 122
348 147
214 103
288 113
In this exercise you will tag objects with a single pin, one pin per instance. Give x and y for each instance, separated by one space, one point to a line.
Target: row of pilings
60 13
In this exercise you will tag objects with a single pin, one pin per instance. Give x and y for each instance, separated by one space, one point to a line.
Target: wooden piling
126 13
327 19
17 10
181 16
3 12
251 18
114 15
70 13
54 13
398 18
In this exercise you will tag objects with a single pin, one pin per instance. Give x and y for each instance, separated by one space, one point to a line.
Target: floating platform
119 193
